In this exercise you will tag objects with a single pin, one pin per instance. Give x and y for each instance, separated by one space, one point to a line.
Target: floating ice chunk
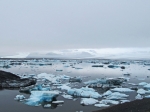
19 97
47 105
83 93
64 87
58 102
37 97
101 105
147 86
124 101
67 96
65 77
101 81
87 89
142 83
132 84
141 91
109 102
148 96
40 88
50 77
107 93
88 101
139 97
116 96
122 89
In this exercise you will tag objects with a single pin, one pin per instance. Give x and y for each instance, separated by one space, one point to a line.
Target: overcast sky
32 25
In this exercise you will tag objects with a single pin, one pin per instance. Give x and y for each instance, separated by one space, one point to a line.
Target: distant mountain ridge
107 53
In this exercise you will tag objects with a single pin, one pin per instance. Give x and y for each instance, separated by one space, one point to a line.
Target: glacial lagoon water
138 71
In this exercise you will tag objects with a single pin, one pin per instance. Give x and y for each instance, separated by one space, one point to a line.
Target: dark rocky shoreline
10 80
134 106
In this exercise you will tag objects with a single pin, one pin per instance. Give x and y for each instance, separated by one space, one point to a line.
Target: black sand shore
134 106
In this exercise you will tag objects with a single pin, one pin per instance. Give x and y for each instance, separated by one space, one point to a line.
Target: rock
97 65
122 67
10 80
75 79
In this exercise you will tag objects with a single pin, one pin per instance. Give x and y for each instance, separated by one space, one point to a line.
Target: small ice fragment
107 93
19 97
58 102
124 101
101 105
148 96
139 97
67 96
147 86
88 101
47 105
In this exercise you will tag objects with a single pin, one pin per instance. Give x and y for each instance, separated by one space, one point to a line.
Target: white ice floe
147 86
148 96
58 102
64 87
107 93
88 101
50 77
101 105
124 101
122 89
84 92
19 97
139 97
132 84
47 106
142 83
37 97
68 97
141 91
117 96
109 102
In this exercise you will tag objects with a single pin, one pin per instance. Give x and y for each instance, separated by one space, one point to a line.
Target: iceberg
84 92
88 101
117 96
107 93
38 97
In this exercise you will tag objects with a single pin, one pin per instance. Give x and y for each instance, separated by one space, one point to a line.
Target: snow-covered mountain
107 53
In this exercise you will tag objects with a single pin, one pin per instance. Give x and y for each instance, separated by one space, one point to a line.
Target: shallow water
8 104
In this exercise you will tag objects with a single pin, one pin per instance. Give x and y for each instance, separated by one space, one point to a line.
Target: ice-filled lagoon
75 85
